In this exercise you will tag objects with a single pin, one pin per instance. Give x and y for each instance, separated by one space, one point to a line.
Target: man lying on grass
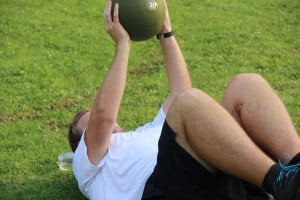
195 148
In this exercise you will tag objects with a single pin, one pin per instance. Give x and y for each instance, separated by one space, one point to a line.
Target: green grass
53 55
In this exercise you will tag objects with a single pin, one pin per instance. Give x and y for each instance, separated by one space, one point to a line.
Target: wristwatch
165 35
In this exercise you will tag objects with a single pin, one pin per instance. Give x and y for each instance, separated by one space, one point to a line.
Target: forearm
177 73
176 69
109 96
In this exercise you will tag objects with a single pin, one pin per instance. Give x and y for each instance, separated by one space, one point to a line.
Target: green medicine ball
142 19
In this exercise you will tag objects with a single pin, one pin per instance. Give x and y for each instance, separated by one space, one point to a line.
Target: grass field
53 55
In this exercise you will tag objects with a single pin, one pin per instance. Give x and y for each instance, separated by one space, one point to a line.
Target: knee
248 79
184 105
189 98
247 82
180 106
188 95
242 88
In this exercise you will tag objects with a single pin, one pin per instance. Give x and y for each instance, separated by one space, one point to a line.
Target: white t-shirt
124 170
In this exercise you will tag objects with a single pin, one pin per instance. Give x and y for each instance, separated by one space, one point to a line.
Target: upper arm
97 137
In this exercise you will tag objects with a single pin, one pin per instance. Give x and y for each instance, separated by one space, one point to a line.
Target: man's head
79 123
77 127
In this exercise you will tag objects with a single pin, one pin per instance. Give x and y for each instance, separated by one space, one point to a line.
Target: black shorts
178 176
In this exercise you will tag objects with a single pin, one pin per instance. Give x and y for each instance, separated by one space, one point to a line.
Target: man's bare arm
177 73
106 104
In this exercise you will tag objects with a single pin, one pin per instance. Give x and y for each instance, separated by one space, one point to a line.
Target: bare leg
206 130
257 108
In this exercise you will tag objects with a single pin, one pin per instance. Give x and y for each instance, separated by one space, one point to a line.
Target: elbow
102 115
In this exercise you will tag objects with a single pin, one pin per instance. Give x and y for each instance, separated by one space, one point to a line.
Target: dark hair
74 134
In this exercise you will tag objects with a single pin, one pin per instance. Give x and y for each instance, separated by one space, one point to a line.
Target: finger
116 12
107 15
106 7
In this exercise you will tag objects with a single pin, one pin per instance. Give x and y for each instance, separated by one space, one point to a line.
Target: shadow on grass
64 187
